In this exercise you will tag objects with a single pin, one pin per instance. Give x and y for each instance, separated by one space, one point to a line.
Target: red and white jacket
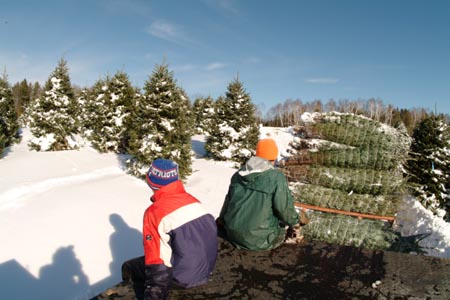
180 241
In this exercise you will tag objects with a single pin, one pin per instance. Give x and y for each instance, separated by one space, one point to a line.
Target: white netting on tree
348 163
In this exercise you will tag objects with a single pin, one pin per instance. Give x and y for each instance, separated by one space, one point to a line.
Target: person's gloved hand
294 235
291 233
303 218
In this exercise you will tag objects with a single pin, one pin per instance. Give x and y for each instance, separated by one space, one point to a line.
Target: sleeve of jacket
283 201
157 281
158 276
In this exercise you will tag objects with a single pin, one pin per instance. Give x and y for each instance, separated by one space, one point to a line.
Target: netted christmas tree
9 125
348 170
107 113
162 124
234 131
428 168
203 110
52 117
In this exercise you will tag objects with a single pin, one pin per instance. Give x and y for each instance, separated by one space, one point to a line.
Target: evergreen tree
8 116
36 91
428 168
234 132
162 125
107 109
22 96
203 110
52 116
87 112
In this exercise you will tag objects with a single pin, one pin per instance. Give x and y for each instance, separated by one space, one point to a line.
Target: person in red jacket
179 236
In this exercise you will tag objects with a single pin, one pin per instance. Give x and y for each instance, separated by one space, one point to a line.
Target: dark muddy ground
315 270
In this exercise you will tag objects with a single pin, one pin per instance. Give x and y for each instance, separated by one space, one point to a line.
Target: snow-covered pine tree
107 113
162 124
203 110
8 116
234 132
52 116
36 91
428 168
84 118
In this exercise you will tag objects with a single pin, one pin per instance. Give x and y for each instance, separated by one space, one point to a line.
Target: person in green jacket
258 206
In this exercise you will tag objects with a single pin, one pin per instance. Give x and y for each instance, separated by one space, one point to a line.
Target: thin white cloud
186 68
200 68
168 31
162 29
322 80
205 83
215 66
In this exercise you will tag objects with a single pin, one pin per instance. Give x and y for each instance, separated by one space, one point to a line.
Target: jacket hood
254 167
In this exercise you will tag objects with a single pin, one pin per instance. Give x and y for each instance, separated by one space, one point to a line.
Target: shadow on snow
64 278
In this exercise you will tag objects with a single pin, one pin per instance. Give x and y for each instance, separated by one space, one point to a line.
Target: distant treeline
289 113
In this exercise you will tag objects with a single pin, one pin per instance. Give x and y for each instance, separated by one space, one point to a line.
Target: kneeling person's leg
134 270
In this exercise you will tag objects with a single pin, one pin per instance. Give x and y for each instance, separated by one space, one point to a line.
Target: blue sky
397 51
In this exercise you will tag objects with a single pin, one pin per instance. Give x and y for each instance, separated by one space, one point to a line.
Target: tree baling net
346 169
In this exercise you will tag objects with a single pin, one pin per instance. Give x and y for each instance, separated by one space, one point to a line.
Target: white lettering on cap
163 174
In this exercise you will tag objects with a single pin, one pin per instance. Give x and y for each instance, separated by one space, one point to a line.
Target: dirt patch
315 270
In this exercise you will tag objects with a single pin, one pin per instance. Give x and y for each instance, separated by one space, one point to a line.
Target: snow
45 142
414 219
68 219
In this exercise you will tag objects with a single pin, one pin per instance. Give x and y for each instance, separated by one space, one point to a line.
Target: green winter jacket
258 206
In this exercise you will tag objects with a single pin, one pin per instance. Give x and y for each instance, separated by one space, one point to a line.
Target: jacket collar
175 187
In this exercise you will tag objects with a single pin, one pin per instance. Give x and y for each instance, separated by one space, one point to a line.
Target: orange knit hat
267 148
